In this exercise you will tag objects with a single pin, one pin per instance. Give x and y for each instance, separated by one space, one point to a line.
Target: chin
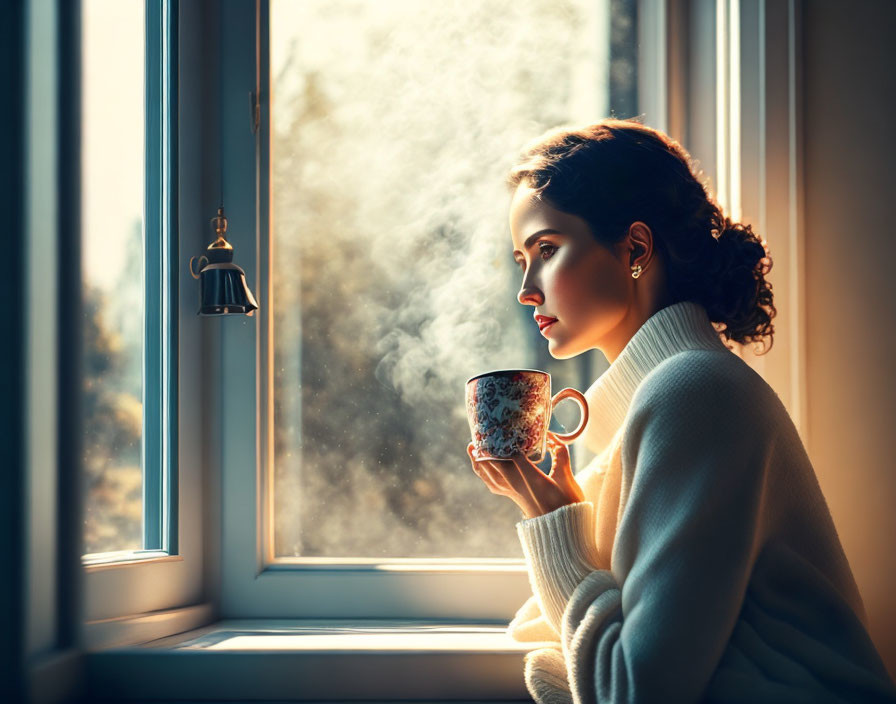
564 352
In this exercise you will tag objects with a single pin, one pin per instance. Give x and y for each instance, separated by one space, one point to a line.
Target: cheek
590 284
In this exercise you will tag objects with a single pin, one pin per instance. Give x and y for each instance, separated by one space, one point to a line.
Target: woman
695 558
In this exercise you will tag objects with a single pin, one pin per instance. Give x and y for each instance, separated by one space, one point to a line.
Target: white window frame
735 102
124 603
136 599
765 66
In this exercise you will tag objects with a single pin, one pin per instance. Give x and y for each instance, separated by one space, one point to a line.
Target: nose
529 294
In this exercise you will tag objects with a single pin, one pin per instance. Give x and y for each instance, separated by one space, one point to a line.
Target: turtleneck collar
680 326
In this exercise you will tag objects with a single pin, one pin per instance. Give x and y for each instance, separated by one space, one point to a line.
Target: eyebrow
531 238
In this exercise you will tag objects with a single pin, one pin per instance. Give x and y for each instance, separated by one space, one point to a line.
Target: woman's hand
533 491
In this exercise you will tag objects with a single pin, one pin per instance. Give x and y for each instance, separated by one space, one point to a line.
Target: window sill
126 558
318 660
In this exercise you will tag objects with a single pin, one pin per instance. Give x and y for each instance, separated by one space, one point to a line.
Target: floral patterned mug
509 411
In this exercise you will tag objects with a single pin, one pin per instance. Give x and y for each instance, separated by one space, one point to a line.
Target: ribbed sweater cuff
561 550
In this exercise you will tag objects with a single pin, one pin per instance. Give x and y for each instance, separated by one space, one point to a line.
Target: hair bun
736 291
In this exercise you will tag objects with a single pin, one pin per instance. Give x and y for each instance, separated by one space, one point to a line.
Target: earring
636 271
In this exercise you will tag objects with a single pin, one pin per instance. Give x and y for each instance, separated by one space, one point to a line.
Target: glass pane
112 152
393 125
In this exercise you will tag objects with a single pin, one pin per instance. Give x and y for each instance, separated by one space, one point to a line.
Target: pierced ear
639 248
637 252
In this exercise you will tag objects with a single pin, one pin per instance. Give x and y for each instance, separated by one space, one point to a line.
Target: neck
672 329
638 314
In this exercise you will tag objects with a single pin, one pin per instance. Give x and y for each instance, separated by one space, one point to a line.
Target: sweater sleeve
529 623
654 626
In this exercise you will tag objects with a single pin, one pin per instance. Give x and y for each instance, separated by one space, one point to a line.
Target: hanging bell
222 288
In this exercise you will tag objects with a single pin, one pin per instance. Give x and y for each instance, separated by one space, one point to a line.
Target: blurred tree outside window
112 178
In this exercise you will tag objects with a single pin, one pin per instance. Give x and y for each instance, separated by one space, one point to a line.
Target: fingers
487 473
560 457
524 470
495 477
526 498
504 477
477 465
561 469
556 447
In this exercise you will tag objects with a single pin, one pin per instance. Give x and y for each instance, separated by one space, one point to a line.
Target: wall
851 288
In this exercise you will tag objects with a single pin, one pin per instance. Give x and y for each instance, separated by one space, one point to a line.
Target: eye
541 248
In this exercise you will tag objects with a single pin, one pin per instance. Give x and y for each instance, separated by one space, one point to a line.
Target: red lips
543 321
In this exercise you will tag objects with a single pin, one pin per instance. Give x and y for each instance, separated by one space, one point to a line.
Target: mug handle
579 398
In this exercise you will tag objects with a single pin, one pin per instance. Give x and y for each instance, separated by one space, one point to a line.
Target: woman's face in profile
567 275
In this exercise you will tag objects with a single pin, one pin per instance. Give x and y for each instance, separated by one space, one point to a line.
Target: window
112 273
396 252
134 595
392 126
132 590
129 392
384 281
232 425
234 407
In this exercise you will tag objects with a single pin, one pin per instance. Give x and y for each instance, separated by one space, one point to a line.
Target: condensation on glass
393 125
112 179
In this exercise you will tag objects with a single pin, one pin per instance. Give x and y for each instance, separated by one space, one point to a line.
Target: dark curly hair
617 172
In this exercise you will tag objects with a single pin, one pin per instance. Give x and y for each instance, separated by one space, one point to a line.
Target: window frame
766 63
159 388
254 585
726 59
161 293
145 596
134 595
702 62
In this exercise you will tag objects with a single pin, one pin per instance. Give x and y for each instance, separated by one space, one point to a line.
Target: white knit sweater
704 564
